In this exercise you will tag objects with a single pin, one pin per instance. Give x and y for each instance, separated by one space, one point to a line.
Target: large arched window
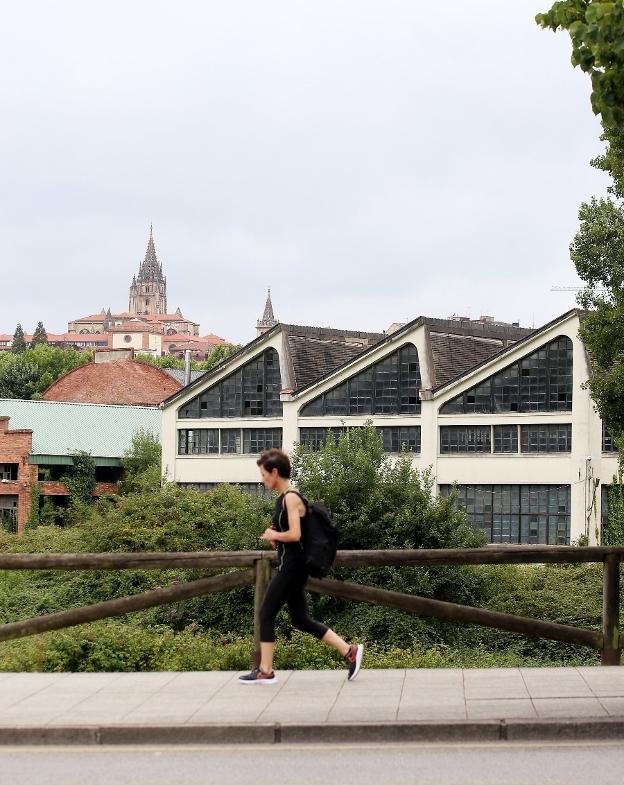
390 386
539 382
252 391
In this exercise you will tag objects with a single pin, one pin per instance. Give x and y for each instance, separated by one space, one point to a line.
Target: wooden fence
254 568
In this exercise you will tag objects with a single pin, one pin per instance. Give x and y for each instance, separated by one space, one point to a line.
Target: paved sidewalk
311 706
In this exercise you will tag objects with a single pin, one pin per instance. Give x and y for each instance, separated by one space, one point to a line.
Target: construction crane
574 289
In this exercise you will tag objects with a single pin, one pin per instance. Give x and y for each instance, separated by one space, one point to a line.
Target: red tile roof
122 382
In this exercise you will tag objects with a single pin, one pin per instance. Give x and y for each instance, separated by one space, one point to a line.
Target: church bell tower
148 290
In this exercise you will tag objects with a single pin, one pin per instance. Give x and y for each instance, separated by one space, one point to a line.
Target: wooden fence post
611 650
262 570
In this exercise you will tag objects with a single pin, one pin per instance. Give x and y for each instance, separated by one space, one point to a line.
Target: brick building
37 439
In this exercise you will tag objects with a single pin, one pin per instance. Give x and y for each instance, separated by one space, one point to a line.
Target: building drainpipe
187 367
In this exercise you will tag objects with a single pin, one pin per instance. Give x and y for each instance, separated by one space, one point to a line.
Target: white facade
584 469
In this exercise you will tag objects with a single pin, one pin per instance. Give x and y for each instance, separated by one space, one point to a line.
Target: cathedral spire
148 291
268 319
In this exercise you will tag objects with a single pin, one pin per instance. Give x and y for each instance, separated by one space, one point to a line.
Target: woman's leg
336 642
276 595
301 619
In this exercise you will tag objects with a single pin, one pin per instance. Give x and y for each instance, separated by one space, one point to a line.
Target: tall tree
597 33
19 342
39 336
598 255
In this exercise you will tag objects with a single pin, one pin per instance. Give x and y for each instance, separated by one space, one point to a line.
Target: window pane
198 441
361 393
336 400
400 438
230 441
541 381
315 438
525 514
256 440
210 402
410 381
252 391
465 439
546 438
506 438
387 385
608 445
272 383
232 395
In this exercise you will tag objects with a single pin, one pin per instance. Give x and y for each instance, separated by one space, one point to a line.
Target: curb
315 733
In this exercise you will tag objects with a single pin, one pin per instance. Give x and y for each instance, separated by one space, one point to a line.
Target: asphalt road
600 763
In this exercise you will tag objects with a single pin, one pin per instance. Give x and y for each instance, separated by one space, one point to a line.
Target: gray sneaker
353 658
258 676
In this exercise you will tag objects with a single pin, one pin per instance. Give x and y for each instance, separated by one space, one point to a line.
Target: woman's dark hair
275 459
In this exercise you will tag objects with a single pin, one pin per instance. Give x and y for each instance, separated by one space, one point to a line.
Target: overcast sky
370 161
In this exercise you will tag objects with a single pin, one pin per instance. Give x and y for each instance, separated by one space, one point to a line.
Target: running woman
288 583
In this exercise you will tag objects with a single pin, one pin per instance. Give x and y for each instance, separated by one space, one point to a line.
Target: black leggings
287 587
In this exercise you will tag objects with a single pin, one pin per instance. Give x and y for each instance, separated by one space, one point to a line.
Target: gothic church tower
148 291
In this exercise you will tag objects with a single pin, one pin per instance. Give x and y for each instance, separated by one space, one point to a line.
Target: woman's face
269 479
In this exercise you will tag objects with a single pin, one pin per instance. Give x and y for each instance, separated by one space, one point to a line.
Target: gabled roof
310 353
62 428
313 352
497 355
471 341
456 347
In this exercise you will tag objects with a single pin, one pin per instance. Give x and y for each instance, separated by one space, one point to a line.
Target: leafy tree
377 500
612 161
598 255
596 30
80 481
141 463
218 355
47 364
16 377
19 342
39 336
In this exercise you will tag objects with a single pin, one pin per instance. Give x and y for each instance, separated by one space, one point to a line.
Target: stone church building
147 306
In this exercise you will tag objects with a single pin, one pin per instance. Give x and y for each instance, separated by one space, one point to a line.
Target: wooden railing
254 568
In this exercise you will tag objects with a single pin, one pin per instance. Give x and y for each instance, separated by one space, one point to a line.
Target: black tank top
289 554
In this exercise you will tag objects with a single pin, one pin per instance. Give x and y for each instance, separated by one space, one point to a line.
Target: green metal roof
67 460
62 428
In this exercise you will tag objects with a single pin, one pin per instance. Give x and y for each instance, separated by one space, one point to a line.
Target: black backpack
319 539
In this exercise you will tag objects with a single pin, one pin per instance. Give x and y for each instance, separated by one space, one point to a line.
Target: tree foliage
80 481
216 356
45 364
19 342
377 500
141 463
17 376
39 336
596 30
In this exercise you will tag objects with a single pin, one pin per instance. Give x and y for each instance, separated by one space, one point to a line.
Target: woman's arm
292 503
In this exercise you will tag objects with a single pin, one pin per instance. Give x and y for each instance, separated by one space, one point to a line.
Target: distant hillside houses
497 409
